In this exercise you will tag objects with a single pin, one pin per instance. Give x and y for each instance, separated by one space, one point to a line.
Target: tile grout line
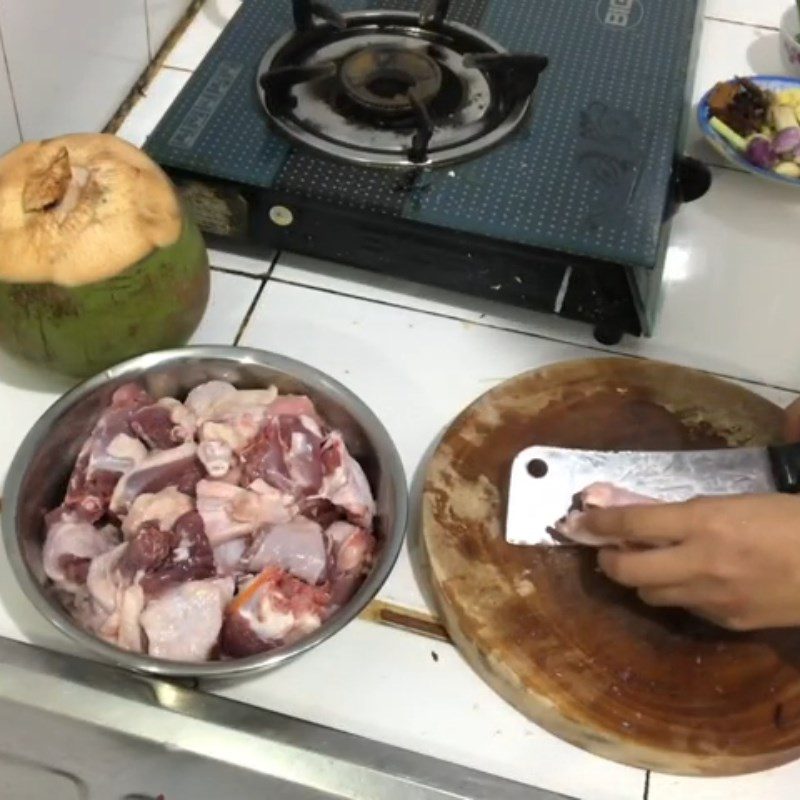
241 273
647 785
150 53
10 84
743 24
545 337
185 70
256 299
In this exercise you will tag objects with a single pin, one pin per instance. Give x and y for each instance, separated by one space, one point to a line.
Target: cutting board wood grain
577 654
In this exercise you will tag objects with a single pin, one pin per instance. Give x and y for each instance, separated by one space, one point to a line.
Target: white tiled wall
162 16
9 130
72 64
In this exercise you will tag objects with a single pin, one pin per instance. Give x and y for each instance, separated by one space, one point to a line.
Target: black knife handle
785 461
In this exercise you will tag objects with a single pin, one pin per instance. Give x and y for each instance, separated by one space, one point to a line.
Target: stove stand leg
608 333
305 10
433 12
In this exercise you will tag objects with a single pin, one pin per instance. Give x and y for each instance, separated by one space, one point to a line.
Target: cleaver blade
544 481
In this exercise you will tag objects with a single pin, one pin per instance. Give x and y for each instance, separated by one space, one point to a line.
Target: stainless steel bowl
41 467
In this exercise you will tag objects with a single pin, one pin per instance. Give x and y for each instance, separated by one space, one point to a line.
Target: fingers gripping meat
598 495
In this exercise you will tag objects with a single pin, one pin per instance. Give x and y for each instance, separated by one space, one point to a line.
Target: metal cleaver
546 480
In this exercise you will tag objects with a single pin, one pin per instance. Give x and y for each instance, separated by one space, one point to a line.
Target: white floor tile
157 98
231 298
259 266
162 17
72 64
730 284
775 784
755 12
403 697
202 33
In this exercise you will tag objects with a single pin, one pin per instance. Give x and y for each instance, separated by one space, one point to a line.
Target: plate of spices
754 123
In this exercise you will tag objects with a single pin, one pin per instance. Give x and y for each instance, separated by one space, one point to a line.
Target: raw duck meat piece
157 559
235 417
146 551
298 547
191 557
184 623
162 507
222 526
351 551
345 483
97 470
69 548
228 556
183 419
286 454
229 511
598 495
104 580
154 425
129 630
320 510
177 467
274 608
217 457
227 414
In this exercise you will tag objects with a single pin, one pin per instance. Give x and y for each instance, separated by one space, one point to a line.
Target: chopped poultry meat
225 525
573 528
274 608
163 508
231 511
177 467
183 624
70 546
298 547
106 454
345 483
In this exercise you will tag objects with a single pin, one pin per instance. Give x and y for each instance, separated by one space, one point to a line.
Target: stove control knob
281 215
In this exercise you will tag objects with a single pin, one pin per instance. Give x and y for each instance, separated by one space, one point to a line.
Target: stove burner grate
388 88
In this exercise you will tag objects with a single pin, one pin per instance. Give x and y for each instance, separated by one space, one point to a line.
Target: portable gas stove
520 150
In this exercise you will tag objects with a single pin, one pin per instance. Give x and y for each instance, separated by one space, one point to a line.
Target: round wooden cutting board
582 657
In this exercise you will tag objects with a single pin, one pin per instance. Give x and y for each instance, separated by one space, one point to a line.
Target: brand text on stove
620 14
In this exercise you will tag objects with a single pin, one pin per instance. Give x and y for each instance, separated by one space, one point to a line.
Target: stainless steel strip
106 733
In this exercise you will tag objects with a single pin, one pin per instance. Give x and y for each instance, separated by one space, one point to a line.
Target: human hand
734 560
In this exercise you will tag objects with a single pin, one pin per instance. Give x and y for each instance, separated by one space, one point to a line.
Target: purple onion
787 141
760 153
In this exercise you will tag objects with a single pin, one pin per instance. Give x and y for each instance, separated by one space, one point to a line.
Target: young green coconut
98 260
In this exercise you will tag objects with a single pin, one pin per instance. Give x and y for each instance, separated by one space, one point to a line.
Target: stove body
563 206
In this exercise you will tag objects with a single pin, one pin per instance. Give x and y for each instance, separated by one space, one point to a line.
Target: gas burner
392 88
